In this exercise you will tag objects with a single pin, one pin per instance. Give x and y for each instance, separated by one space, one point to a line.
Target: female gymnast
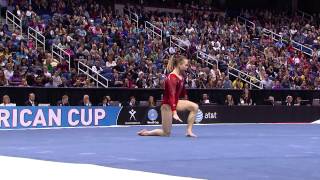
174 89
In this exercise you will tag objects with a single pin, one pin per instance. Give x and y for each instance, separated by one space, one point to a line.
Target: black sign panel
144 116
208 114
257 114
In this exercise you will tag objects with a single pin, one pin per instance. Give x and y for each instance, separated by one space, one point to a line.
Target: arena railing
132 16
277 37
206 57
94 75
14 20
56 51
175 41
246 22
305 49
297 46
252 81
152 30
37 37
305 15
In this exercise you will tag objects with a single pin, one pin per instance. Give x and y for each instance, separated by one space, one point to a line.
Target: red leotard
173 90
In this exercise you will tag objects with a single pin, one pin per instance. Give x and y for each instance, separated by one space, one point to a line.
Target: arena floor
223 152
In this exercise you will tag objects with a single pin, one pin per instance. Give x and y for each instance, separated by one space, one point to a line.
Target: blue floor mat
223 152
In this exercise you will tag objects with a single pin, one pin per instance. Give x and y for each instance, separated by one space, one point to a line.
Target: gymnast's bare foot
143 132
191 134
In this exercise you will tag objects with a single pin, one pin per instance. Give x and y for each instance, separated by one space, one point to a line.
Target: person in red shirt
173 91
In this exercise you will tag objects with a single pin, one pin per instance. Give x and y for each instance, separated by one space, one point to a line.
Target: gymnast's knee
194 107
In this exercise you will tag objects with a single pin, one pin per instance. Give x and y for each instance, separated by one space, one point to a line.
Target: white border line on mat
57 128
127 126
113 126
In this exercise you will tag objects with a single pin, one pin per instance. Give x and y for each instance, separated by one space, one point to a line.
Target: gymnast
173 91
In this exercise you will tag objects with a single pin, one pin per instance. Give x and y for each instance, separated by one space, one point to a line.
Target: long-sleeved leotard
174 89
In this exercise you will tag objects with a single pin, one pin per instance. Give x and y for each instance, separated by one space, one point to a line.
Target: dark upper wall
305 5
258 4
311 6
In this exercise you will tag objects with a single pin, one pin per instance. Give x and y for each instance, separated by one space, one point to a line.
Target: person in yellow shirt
237 84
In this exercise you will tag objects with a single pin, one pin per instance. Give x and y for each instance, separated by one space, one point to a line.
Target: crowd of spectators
121 51
108 43
22 64
277 64
295 26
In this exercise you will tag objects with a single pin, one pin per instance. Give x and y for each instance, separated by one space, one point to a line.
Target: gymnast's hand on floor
176 117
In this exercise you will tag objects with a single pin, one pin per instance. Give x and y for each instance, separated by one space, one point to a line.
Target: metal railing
275 36
56 51
297 46
92 74
302 48
206 57
37 37
177 42
132 16
152 30
14 20
252 81
247 22
305 15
